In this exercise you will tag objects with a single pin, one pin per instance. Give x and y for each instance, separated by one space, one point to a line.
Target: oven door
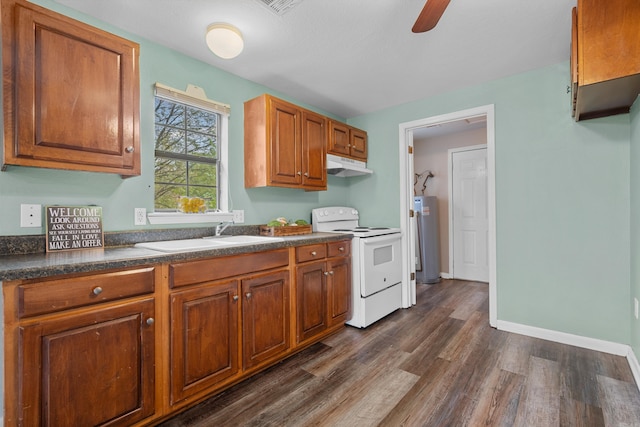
380 263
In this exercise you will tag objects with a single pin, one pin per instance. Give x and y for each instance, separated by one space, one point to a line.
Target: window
190 148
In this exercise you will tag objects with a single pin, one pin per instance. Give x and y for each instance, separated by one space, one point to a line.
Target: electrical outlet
140 217
635 307
238 216
30 215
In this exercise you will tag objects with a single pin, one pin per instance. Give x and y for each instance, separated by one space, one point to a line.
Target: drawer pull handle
151 321
314 253
235 297
97 290
248 295
129 149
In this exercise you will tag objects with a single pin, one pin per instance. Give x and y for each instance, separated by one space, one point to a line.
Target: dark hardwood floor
436 364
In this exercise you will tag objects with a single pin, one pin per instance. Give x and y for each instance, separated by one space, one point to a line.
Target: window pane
169 113
202 121
170 171
203 174
207 193
201 145
191 134
167 195
170 139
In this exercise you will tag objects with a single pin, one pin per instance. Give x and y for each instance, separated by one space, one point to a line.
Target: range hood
345 167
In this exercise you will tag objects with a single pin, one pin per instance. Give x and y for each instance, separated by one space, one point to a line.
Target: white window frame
195 96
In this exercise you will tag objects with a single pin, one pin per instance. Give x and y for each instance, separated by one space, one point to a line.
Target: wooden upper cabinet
345 140
605 63
284 145
71 93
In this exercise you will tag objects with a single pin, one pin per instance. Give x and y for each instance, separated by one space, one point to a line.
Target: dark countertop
37 265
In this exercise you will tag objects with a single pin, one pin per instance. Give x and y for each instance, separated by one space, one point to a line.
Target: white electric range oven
376 263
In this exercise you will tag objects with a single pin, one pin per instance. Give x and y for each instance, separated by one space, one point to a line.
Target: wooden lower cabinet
130 347
204 338
265 317
323 288
90 369
339 291
311 294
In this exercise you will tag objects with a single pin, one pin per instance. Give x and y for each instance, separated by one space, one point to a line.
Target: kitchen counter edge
34 266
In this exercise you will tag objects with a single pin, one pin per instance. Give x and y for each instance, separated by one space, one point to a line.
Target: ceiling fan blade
430 15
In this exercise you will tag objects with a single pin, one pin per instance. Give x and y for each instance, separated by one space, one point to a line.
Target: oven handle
382 239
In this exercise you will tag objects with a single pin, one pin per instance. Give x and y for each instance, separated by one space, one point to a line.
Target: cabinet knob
129 149
97 290
151 321
235 297
341 249
314 253
331 272
326 273
248 295
306 174
299 173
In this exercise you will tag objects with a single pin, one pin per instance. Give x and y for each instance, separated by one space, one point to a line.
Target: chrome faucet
221 227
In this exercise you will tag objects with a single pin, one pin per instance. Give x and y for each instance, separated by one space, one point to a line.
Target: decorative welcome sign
74 227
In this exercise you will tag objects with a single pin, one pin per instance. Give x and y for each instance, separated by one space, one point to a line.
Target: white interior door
470 225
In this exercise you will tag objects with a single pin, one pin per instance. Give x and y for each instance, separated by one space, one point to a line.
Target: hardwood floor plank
580 369
620 402
539 405
579 414
498 404
470 304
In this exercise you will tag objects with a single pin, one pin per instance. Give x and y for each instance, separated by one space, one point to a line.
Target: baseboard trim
634 365
565 338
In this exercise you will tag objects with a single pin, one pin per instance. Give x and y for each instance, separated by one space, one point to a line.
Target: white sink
188 245
243 240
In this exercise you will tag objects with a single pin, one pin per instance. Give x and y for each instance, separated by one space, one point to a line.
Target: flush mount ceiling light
224 40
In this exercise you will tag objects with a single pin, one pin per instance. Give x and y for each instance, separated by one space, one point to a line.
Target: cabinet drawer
339 248
311 252
189 273
55 295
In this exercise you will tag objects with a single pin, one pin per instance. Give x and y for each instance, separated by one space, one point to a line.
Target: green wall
562 188
635 223
562 196
118 196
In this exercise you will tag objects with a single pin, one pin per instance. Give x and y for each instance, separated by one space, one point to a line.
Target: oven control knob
326 212
341 212
354 212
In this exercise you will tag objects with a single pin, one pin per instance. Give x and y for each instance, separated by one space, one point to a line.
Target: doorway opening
408 133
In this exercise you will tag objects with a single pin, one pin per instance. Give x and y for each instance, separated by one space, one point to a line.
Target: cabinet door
358 143
339 290
338 138
204 338
311 299
314 153
265 317
286 157
76 92
88 369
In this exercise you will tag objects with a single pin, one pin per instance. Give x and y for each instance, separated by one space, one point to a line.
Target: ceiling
352 57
